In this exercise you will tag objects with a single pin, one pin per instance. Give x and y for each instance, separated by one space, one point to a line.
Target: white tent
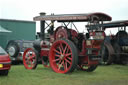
4 36
4 30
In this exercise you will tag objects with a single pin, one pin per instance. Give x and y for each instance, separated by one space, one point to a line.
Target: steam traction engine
115 47
64 49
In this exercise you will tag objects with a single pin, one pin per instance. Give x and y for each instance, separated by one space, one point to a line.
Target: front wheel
63 56
30 58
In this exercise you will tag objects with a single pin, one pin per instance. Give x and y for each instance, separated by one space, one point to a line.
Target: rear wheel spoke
60 65
65 49
59 62
69 58
57 55
61 46
65 65
60 50
68 61
56 60
68 54
56 51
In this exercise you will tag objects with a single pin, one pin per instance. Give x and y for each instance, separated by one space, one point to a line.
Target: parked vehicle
5 62
66 49
15 48
115 48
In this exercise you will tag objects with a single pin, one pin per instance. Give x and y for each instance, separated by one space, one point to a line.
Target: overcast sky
27 9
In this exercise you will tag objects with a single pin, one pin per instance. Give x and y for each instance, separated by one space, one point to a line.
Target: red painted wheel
87 68
30 58
63 56
61 32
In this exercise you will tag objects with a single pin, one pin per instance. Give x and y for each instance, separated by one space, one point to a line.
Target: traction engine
64 49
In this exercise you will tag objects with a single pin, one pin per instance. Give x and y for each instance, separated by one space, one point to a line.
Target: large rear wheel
63 56
30 58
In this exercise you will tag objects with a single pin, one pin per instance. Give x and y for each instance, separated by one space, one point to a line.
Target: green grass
103 75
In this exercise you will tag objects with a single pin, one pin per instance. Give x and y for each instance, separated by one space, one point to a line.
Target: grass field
103 75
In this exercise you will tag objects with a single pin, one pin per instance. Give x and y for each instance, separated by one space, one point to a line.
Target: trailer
66 49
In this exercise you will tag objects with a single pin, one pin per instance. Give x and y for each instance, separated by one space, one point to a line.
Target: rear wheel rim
29 58
61 57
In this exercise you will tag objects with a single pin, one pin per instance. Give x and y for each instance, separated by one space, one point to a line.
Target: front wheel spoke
32 57
27 61
33 61
26 58
32 64
29 54
33 53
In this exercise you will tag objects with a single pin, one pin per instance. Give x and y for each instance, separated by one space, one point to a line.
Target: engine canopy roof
74 17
